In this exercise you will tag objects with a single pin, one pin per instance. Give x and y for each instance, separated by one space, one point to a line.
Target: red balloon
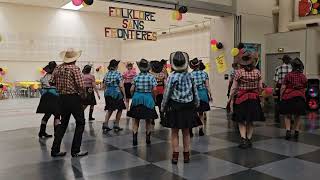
4 88
77 2
214 42
179 16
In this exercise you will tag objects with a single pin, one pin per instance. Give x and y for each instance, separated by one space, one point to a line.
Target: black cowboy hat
143 65
297 65
113 64
286 58
156 66
194 63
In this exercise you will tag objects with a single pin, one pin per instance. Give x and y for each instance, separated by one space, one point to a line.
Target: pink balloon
77 2
268 90
4 88
214 42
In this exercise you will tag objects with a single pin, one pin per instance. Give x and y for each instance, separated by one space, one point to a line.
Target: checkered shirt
179 88
295 80
68 79
112 79
200 78
144 82
281 72
247 80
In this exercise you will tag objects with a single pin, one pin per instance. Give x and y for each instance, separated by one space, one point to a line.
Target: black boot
42 132
296 135
135 139
249 143
148 138
201 133
90 115
288 135
243 144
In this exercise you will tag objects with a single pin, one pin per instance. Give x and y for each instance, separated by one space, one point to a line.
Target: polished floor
112 156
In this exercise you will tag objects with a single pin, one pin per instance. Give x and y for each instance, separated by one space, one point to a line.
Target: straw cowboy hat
70 55
179 61
143 65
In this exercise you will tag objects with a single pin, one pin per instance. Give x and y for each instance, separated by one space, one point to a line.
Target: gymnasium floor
112 157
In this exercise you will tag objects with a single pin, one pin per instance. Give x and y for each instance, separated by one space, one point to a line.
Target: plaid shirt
112 79
68 79
179 88
144 82
295 83
281 72
247 80
200 78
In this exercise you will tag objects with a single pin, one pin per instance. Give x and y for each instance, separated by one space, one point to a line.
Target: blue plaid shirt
112 79
200 78
179 88
144 82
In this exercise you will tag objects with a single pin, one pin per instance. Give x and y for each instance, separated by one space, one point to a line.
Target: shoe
186 157
117 128
148 138
288 135
79 154
44 135
175 157
91 119
243 144
59 154
191 133
249 143
135 139
201 133
296 135
106 128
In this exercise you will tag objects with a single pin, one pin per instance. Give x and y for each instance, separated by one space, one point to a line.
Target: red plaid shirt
247 80
295 83
68 79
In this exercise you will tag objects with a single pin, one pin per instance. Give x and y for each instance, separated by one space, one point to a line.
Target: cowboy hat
247 58
179 61
113 64
286 58
143 65
194 63
156 66
297 65
70 55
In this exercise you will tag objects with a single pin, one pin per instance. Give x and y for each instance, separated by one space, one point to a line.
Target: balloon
88 2
1 79
213 42
316 5
219 45
5 88
314 1
214 47
3 73
183 9
235 52
77 2
174 15
314 11
179 16
268 91
35 86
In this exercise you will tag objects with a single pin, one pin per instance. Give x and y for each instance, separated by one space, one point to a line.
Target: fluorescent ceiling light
70 6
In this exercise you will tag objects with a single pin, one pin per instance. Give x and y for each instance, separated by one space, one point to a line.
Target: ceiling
163 16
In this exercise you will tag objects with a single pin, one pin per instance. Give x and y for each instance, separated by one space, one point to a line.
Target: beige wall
32 36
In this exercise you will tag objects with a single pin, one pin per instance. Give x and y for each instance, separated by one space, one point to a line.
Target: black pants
277 105
70 104
47 116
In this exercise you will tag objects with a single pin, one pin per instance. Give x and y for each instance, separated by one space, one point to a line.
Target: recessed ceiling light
70 6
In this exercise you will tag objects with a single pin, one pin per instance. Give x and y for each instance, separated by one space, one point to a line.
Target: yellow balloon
174 15
214 47
39 69
314 11
234 52
1 79
314 1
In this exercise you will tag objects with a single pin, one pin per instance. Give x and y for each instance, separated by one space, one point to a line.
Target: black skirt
89 97
142 112
127 87
204 106
248 111
49 103
293 106
114 104
180 116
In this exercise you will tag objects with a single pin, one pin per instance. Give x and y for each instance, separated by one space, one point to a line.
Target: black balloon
219 45
88 2
240 46
183 9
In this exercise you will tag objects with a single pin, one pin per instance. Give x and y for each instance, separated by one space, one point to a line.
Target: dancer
247 85
89 87
114 95
293 99
69 82
128 78
178 108
201 80
48 101
143 105
280 73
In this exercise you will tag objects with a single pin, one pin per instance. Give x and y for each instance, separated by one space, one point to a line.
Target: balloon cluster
83 2
215 45
3 71
238 50
177 15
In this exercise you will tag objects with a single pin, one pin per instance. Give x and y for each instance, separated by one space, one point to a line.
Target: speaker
312 94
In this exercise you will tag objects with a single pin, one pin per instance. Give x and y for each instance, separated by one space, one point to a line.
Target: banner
221 63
